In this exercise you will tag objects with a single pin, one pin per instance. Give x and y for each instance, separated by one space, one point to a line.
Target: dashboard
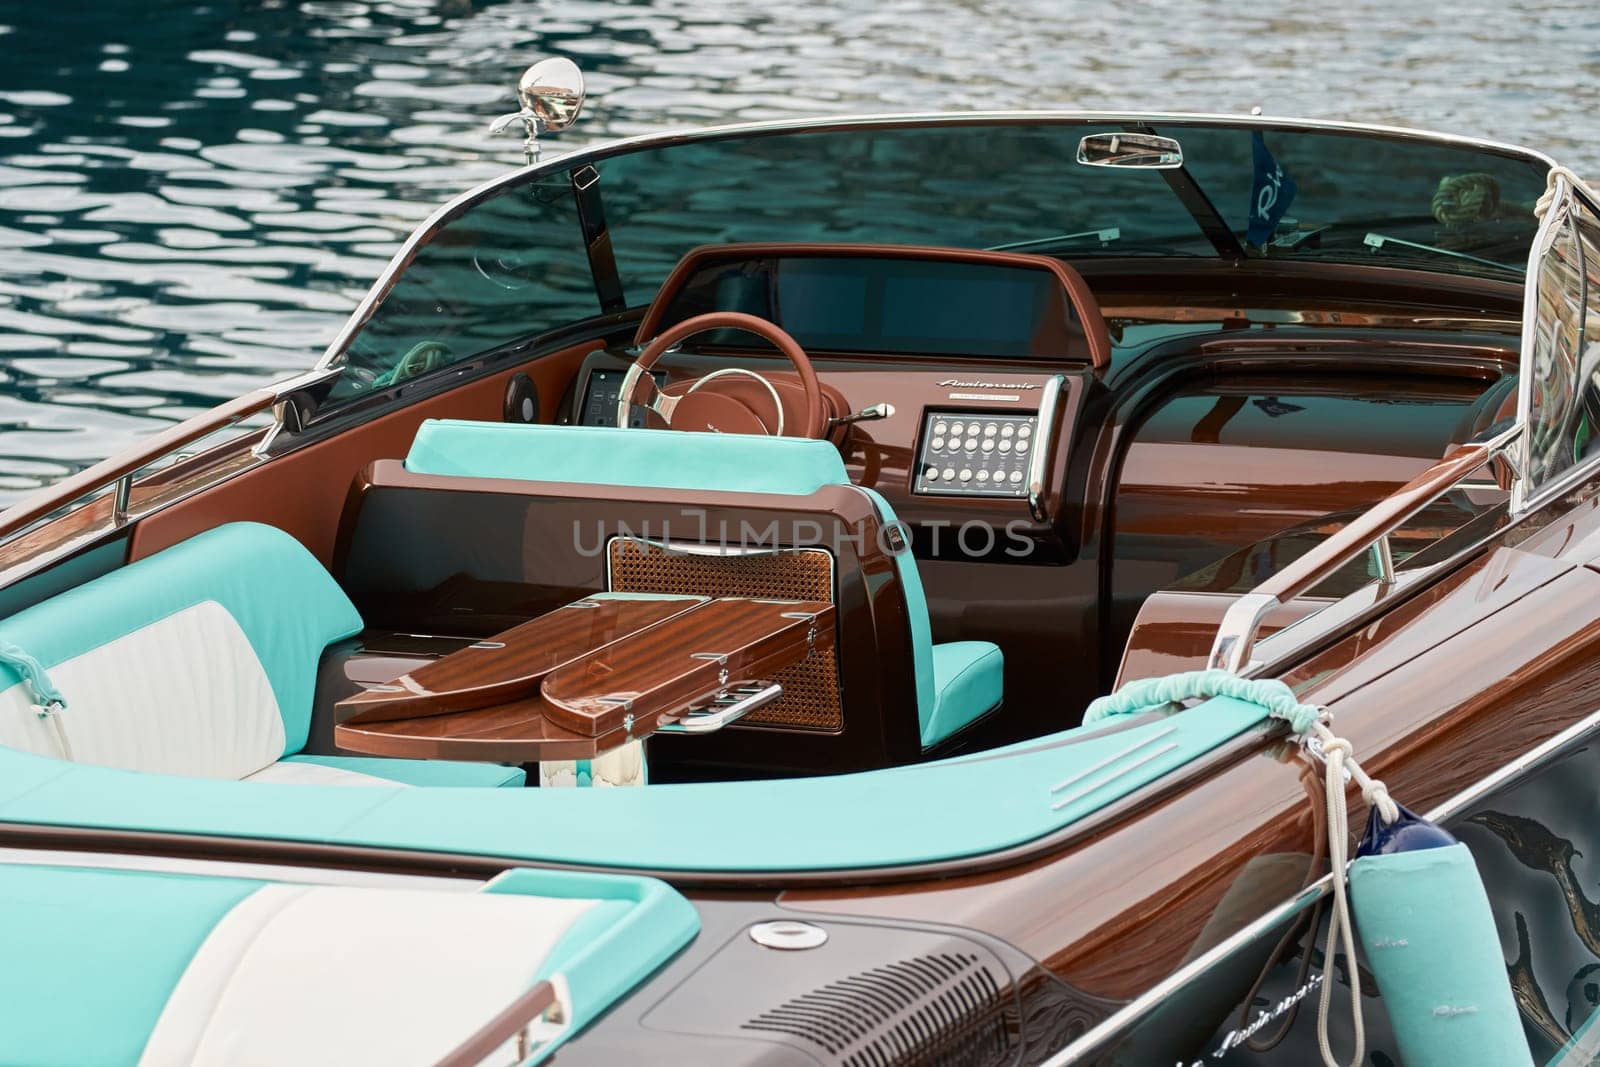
975 453
601 391
984 360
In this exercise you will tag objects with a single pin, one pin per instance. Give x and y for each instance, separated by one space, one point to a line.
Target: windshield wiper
1376 241
1105 237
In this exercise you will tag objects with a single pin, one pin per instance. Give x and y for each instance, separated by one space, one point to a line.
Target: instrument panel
975 453
600 395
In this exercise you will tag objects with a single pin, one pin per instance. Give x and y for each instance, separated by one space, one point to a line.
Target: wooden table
586 678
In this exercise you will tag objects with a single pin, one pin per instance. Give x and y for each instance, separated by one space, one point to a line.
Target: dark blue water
192 197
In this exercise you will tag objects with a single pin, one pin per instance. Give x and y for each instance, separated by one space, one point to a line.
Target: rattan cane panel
810 698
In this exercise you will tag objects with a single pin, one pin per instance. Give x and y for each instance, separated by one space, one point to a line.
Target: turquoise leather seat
200 661
956 682
122 968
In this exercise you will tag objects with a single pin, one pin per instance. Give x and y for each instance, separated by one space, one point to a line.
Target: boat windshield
515 263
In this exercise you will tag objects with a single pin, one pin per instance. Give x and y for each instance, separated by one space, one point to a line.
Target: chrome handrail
118 471
1043 447
1370 531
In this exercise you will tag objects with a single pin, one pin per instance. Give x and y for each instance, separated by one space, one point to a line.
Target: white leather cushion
300 773
184 695
334 975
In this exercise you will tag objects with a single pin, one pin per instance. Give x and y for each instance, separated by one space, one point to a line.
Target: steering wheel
707 408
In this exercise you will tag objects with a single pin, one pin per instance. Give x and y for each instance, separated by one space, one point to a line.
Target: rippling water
193 196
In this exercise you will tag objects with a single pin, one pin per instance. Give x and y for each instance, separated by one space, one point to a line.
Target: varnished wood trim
510 665
698 652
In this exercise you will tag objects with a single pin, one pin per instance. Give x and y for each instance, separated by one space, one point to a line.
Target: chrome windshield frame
552 164
1524 497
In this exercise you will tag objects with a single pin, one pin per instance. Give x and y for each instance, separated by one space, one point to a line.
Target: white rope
1310 724
1542 205
51 714
1337 757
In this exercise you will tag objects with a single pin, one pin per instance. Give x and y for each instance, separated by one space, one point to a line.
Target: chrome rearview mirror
551 94
1148 150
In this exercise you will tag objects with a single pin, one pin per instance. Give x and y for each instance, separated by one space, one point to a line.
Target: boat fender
1424 923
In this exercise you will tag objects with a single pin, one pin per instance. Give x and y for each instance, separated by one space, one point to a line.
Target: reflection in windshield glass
514 265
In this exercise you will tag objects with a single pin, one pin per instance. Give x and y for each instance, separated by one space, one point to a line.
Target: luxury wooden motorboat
816 592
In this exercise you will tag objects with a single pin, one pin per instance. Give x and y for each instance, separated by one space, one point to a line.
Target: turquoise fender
1428 934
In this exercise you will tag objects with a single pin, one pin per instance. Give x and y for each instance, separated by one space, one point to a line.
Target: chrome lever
726 707
866 414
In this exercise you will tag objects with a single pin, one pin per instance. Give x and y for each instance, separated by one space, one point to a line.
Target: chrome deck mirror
1148 150
551 94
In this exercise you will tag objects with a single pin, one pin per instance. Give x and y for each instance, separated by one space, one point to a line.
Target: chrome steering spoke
658 402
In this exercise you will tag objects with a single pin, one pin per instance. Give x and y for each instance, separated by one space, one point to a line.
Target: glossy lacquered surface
510 665
582 679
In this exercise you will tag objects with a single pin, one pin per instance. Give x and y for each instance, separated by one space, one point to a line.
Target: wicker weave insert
810 698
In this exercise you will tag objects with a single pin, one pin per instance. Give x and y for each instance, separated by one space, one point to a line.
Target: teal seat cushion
921 812
287 605
425 772
648 459
90 957
968 680
905 565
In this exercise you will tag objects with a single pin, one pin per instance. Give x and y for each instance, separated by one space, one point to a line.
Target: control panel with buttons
967 454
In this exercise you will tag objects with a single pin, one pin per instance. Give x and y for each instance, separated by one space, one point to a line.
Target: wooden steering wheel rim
815 423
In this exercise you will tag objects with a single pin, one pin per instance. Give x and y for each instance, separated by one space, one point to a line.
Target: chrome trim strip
1151 999
723 711
1044 443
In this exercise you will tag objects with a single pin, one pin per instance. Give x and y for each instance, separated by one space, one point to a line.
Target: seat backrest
668 459
644 459
200 660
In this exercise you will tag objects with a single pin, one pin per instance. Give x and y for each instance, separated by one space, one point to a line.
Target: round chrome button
1016 476
1025 430
940 429
983 476
1007 430
949 473
788 935
972 442
937 443
1022 446
966 475
990 429
1005 446
988 445
932 474
956 429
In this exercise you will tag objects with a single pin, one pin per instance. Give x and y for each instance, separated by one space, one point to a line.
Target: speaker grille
810 698
942 1009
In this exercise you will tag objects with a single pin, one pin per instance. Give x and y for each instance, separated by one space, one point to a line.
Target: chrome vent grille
944 1009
